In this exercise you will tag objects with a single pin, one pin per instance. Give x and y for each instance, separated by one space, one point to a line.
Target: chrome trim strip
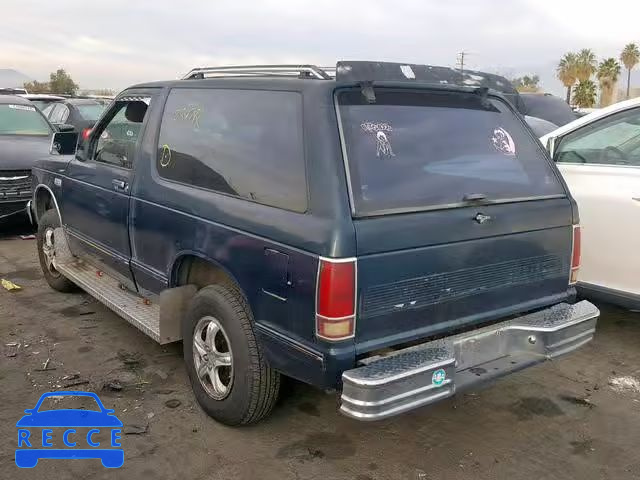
386 400
338 260
345 158
271 294
394 411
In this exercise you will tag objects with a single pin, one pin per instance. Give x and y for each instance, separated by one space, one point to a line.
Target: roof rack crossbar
258 71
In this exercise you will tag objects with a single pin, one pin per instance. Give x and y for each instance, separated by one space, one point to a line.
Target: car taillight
85 133
575 255
336 299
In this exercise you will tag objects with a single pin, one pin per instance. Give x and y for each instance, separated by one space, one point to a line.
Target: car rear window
90 111
410 150
22 120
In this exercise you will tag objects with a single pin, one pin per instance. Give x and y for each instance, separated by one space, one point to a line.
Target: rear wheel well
44 201
192 270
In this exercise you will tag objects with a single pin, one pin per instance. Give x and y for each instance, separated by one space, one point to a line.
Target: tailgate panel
411 293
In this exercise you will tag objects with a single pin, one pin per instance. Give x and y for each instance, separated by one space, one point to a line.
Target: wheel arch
44 199
190 267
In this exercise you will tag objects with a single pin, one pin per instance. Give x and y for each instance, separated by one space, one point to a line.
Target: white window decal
502 141
26 108
381 131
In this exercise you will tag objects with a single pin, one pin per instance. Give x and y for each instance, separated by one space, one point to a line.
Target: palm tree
586 64
630 56
566 72
608 72
584 94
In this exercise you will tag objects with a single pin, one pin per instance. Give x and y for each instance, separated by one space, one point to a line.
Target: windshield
22 120
415 150
91 111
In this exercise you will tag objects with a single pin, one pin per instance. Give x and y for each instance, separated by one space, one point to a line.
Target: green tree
630 57
526 83
586 64
61 82
567 72
37 87
584 94
608 73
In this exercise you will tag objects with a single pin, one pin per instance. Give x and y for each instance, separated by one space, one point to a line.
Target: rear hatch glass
420 150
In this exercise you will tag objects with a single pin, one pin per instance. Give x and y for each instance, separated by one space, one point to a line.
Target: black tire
55 279
254 385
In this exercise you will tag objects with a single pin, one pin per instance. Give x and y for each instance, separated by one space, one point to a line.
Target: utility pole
460 60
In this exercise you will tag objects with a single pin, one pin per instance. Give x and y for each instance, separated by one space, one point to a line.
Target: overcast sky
116 43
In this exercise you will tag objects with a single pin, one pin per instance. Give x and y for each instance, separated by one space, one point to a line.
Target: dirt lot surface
577 417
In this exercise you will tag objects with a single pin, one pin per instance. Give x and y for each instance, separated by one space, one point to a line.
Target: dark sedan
82 113
25 135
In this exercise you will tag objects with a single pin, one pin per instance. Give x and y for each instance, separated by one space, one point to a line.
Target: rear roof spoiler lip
452 88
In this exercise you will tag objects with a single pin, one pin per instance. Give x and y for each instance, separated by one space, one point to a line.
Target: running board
138 311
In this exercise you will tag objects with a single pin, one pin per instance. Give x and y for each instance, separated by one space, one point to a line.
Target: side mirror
64 143
65 127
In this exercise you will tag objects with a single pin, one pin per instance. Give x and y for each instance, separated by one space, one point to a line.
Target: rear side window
417 150
243 143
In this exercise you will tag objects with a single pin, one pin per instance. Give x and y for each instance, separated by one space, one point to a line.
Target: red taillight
575 255
85 133
336 299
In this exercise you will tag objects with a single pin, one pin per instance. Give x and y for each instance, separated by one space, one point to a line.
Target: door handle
119 185
637 199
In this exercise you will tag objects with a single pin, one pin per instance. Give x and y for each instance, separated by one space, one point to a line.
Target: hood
20 152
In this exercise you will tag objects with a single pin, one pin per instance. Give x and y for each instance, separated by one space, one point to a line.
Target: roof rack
299 71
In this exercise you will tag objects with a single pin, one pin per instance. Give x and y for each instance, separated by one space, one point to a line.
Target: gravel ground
577 417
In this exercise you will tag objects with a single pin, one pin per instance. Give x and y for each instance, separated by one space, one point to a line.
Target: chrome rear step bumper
384 386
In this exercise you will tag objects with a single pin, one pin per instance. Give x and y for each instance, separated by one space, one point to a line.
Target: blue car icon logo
69 433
